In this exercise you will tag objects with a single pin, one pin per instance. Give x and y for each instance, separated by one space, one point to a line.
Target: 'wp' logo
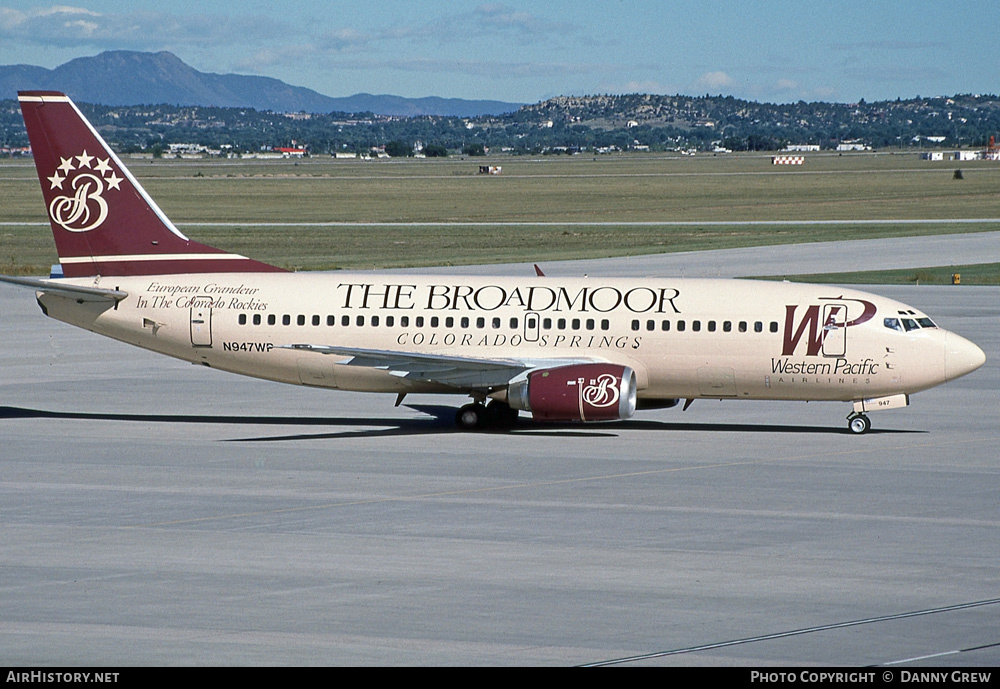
84 208
819 322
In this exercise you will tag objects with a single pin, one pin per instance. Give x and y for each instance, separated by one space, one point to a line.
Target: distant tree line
565 124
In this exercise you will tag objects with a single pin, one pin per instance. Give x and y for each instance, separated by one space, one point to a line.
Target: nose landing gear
858 423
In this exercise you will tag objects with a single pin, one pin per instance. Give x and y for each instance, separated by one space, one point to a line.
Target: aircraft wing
76 292
455 371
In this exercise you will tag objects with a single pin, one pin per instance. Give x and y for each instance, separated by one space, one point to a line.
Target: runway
158 513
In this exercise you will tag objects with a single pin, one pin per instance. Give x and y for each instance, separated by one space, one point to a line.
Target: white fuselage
684 338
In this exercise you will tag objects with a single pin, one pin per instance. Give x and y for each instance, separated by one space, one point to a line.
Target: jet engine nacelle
582 392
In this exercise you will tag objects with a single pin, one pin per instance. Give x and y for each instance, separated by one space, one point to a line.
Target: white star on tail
84 159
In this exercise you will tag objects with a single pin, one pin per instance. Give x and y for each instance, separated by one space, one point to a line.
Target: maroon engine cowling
583 392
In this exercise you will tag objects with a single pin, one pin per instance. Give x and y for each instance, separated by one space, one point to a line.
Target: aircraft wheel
501 415
471 417
859 424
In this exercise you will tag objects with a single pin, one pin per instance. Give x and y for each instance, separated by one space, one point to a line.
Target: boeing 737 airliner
561 349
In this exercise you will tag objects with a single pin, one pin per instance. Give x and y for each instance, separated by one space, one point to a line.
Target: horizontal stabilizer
66 290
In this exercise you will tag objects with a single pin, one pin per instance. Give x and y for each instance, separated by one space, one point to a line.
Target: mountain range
124 77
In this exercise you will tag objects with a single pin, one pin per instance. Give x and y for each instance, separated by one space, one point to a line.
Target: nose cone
961 356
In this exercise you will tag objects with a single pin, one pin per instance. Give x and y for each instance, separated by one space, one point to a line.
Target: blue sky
778 50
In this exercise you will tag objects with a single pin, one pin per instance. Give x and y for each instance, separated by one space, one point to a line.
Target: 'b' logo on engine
84 208
603 392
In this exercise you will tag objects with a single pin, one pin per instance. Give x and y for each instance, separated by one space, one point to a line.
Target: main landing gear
858 423
477 416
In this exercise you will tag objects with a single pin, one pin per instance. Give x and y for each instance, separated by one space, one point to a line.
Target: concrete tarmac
155 512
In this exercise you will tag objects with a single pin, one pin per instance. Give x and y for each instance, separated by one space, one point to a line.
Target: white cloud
63 26
715 80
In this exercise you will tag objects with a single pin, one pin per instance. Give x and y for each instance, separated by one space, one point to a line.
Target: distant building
932 155
802 147
853 146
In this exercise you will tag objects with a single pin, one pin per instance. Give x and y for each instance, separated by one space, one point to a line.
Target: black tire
471 417
500 415
859 425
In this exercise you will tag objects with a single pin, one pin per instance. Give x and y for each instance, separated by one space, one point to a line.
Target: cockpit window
908 324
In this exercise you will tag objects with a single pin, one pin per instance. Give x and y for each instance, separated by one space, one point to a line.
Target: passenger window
301 320
404 321
286 320
360 320
419 321
390 321
345 320
635 325
680 326
727 326
256 319
665 326
605 324
449 322
315 320
496 323
774 326
243 319
331 320
513 324
696 326
465 321
743 326
561 324
480 322
271 319
435 321
375 321
650 325
590 324
711 326
758 327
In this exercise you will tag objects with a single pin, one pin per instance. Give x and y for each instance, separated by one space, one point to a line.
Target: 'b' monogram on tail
86 208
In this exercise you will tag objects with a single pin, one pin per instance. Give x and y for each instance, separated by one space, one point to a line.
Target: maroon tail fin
103 221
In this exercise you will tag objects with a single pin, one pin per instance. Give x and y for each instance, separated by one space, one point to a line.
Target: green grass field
439 212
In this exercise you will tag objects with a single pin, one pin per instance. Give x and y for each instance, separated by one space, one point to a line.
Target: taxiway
154 512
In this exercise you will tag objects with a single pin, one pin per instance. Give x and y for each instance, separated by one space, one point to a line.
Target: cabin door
201 322
834 330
